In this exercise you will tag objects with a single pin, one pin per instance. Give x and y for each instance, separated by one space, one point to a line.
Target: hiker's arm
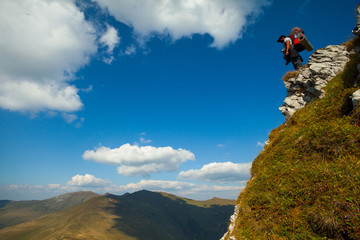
287 47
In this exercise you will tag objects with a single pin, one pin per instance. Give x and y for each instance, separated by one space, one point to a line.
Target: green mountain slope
141 215
306 182
15 212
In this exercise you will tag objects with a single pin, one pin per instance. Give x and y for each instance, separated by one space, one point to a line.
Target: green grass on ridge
306 182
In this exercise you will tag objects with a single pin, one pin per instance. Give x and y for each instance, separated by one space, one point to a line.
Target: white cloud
156 185
29 95
145 141
219 172
129 51
220 145
42 44
69 118
224 20
110 40
88 180
87 90
140 161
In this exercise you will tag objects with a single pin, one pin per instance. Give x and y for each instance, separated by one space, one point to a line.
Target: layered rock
309 85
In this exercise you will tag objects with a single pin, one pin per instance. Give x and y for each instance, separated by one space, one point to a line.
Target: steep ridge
306 182
15 212
141 215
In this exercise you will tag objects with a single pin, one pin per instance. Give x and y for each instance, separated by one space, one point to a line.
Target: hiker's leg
297 63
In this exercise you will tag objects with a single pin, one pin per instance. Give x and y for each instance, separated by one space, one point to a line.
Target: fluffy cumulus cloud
219 172
42 44
109 40
140 161
224 20
157 185
88 180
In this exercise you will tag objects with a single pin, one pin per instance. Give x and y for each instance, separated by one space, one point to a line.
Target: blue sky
176 96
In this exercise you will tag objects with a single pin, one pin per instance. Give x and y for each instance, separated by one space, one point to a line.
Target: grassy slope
142 215
84 221
306 182
15 212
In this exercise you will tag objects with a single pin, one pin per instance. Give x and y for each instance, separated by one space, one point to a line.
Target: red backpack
295 34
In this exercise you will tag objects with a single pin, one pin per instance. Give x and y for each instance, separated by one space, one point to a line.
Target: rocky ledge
308 85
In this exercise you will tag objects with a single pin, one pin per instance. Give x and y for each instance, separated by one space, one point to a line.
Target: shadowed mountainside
149 215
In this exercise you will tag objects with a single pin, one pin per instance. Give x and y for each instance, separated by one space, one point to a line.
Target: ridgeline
306 182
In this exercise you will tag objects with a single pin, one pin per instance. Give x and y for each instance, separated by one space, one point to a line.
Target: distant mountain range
142 215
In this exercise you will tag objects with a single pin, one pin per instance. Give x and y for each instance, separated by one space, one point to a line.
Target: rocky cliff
308 84
305 184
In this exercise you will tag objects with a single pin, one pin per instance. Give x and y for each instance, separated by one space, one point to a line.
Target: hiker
290 54
356 30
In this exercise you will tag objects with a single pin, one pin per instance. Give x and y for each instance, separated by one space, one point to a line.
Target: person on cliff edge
290 54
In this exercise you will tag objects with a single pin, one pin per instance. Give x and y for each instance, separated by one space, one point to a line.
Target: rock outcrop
308 86
356 98
229 233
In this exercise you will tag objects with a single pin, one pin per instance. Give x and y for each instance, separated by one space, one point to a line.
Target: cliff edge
308 84
306 182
